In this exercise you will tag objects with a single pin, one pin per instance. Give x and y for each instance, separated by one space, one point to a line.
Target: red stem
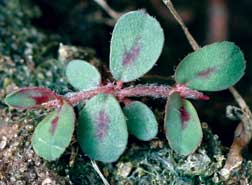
156 91
144 90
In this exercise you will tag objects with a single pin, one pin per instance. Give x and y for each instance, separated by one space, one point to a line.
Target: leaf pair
212 68
102 127
53 134
136 44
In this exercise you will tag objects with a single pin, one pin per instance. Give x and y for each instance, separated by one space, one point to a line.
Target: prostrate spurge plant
102 125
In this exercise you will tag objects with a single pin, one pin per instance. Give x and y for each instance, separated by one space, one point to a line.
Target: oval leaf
53 134
82 75
141 121
136 44
182 125
30 97
102 130
212 68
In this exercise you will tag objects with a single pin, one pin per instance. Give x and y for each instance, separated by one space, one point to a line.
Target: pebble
3 142
124 169
47 181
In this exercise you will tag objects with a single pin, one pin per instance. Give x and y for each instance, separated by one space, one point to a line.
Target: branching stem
155 91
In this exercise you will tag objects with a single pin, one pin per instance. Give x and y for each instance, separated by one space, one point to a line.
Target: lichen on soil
31 57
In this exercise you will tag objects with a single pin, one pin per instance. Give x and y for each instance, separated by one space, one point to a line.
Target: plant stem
242 137
115 15
96 168
189 36
120 94
144 90
155 91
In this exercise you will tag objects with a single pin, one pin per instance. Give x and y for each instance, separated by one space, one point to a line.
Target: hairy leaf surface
136 44
82 75
212 68
30 97
102 131
141 121
53 134
182 125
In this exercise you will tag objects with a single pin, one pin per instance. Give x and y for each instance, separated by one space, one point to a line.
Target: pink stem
156 91
144 90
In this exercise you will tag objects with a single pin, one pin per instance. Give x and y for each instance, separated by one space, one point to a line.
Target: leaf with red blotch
29 97
136 44
182 125
53 134
102 130
214 67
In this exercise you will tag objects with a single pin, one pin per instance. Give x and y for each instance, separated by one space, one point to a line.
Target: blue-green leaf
136 44
212 68
82 75
102 131
141 121
53 134
29 97
182 125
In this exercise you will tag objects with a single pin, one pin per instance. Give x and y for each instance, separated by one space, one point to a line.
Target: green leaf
141 121
82 75
53 134
30 97
136 44
212 68
182 125
102 131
